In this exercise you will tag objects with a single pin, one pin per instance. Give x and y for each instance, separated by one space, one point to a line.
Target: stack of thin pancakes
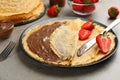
20 10
64 43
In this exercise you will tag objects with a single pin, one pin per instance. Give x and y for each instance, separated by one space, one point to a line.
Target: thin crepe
64 39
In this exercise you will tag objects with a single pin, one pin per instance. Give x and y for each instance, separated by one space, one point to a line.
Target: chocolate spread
39 43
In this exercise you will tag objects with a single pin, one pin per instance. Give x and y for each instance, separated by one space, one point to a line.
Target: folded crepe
63 40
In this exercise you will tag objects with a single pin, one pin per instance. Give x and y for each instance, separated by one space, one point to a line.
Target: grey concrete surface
18 66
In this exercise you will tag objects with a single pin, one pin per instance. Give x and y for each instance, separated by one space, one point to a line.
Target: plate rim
63 18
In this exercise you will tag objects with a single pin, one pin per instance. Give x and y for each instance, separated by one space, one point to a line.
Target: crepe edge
18 18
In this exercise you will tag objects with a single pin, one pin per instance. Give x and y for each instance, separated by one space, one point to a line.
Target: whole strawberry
89 8
113 12
77 7
53 11
77 1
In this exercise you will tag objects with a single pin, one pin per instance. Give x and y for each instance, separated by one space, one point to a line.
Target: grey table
18 66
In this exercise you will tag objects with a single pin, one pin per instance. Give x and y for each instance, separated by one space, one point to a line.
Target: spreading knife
91 42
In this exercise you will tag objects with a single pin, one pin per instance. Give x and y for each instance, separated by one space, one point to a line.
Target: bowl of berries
83 7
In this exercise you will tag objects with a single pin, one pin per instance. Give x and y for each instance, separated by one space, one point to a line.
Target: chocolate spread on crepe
41 45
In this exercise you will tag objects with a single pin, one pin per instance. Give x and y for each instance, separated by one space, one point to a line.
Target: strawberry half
103 42
89 25
113 12
53 11
84 34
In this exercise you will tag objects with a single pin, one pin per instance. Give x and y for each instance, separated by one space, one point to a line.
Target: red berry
89 25
77 7
53 11
84 34
89 8
103 42
113 12
77 1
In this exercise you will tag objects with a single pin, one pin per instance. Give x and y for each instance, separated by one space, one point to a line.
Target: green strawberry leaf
113 12
104 34
88 1
58 10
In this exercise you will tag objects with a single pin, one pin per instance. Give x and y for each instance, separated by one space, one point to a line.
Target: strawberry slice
113 12
89 25
87 1
53 11
84 34
89 8
103 42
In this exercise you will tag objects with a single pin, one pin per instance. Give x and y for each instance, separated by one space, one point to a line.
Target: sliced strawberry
89 8
113 12
53 11
89 25
84 34
103 42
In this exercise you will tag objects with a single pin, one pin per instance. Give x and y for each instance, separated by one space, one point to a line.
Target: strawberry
103 42
113 12
84 34
95 1
53 11
77 7
89 8
89 25
77 1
